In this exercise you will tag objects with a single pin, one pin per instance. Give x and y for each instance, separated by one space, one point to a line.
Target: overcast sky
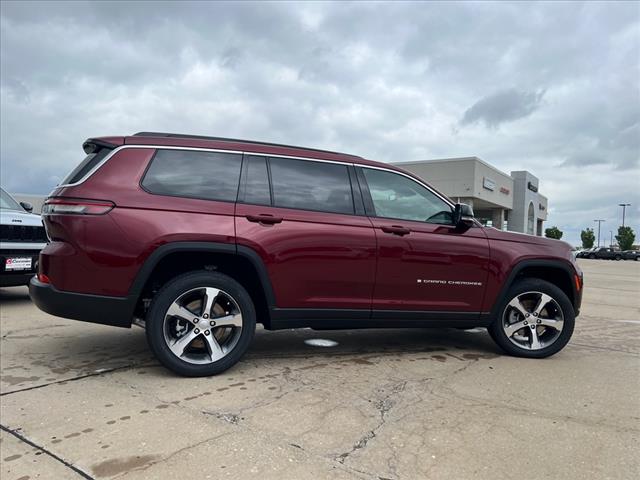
553 88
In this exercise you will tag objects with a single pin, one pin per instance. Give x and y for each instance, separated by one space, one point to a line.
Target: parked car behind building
585 253
605 253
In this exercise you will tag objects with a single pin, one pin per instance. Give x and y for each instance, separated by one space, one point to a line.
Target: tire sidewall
538 285
169 293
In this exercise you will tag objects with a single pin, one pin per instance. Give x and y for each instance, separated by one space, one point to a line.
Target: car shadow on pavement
14 295
303 342
70 349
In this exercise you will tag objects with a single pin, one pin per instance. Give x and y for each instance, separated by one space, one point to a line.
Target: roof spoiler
92 145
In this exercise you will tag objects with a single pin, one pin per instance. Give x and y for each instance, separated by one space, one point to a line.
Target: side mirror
463 216
27 206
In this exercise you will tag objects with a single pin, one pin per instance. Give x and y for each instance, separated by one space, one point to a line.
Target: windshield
6 202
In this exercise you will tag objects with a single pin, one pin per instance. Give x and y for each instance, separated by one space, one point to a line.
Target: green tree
588 238
625 238
553 232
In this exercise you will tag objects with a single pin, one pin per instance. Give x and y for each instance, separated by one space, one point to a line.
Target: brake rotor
219 333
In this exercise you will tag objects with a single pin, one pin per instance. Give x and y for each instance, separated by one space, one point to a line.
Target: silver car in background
22 236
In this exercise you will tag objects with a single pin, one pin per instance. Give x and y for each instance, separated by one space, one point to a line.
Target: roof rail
203 137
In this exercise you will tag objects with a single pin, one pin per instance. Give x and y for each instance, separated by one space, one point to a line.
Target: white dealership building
507 202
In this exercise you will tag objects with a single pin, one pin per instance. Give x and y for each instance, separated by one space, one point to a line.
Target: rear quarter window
87 165
204 175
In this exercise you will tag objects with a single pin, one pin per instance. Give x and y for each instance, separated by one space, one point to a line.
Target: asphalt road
81 400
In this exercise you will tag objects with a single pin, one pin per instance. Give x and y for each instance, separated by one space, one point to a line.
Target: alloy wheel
202 325
533 320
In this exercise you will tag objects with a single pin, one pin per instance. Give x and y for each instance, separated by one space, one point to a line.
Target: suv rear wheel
535 320
200 323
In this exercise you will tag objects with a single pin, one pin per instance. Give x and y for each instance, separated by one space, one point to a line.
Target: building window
531 220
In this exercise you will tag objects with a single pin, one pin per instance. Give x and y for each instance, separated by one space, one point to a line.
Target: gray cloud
583 159
503 106
388 81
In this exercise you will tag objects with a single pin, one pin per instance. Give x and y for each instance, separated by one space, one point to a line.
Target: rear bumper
115 311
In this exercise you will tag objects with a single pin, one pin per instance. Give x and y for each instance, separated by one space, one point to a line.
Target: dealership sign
488 184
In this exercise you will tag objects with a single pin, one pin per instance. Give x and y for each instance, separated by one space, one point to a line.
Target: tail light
66 206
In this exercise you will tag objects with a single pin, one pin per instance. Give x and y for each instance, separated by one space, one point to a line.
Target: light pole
624 207
599 223
611 244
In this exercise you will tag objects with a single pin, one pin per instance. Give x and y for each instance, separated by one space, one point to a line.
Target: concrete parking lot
81 400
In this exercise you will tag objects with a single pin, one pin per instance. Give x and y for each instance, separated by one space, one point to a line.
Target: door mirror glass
27 206
463 215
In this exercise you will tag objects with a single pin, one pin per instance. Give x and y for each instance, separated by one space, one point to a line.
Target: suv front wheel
535 320
200 323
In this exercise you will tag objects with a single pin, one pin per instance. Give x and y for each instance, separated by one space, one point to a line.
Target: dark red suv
201 238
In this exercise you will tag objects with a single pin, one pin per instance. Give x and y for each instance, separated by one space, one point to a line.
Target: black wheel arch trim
567 267
211 247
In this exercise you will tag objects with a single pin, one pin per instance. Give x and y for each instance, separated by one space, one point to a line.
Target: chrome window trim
153 147
248 152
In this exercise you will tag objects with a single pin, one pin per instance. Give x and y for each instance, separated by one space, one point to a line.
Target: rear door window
205 175
311 185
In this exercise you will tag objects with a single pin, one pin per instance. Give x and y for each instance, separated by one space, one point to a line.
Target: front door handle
396 230
264 219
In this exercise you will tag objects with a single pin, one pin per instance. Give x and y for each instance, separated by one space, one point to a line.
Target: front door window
397 196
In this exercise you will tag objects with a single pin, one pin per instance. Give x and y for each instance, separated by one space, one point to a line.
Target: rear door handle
396 230
264 218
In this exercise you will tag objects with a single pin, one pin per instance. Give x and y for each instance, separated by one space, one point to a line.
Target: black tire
618 257
534 285
173 290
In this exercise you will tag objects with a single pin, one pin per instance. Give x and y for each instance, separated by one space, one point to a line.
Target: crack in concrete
383 406
61 460
171 455
11 332
74 379
227 417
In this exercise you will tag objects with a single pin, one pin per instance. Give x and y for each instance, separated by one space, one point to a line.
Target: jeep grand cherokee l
201 238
